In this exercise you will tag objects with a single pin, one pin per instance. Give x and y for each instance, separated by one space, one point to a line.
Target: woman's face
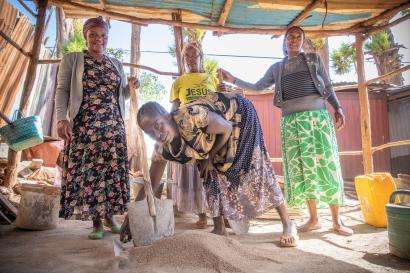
192 59
96 39
294 40
161 128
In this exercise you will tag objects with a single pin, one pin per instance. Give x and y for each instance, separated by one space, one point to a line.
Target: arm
266 81
222 129
155 172
62 97
175 104
332 99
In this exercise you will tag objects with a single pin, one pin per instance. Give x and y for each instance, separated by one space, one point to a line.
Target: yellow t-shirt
192 86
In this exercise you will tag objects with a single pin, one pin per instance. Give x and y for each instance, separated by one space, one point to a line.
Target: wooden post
365 124
13 157
178 43
134 146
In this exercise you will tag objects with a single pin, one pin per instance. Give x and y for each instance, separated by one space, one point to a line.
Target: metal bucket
398 226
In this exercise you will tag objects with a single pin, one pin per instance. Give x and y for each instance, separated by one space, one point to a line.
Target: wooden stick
389 25
57 61
394 72
365 124
152 69
305 13
27 8
48 19
14 44
391 144
225 12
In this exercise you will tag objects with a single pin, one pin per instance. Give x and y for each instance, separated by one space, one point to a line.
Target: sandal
96 235
201 224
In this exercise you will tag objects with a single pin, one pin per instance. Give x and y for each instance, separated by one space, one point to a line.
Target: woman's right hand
64 129
226 76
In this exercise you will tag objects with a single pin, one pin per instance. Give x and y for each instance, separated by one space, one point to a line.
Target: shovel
153 218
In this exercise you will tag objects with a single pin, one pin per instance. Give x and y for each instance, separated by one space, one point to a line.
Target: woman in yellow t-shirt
188 192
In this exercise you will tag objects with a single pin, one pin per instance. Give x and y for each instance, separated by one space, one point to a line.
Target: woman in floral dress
90 99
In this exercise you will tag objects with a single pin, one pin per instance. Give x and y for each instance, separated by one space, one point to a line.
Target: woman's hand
205 167
223 88
226 76
125 232
134 82
340 119
64 129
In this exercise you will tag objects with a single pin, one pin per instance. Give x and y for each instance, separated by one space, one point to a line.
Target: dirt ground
67 249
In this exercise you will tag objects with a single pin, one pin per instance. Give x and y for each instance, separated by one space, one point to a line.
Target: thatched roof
331 17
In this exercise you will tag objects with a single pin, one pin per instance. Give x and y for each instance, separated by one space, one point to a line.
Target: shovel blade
146 229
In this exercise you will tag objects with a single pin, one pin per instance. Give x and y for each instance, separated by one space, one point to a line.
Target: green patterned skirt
311 159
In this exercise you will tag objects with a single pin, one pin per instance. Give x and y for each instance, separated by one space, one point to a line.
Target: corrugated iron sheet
244 13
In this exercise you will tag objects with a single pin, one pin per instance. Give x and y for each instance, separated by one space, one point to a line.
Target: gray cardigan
274 76
69 91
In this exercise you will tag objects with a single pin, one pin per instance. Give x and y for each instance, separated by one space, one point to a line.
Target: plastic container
373 191
398 216
39 206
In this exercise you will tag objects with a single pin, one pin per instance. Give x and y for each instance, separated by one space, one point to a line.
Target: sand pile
195 251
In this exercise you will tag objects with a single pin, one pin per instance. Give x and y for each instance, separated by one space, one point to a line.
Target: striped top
296 79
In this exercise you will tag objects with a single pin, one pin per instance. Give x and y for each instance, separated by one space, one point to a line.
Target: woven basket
23 133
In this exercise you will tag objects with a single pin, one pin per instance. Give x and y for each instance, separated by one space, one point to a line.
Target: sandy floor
67 249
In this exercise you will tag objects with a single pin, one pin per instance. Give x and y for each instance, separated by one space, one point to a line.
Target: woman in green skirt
309 148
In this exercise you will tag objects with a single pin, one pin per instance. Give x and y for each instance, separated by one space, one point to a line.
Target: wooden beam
57 61
391 73
225 12
391 144
302 16
385 15
365 124
13 157
14 44
389 25
27 8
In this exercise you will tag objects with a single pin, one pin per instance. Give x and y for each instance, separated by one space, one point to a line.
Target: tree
150 89
343 58
382 48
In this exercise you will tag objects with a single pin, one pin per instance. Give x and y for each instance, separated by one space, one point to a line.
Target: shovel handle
144 161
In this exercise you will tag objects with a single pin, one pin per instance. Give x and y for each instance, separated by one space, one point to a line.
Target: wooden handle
6 119
144 162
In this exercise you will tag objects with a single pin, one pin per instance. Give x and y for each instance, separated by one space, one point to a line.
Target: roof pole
365 125
14 157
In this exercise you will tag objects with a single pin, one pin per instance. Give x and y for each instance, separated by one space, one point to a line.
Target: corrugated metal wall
349 139
399 120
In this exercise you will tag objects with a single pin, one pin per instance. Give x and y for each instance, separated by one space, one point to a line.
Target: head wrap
95 22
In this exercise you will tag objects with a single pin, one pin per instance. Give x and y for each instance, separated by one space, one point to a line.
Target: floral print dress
95 160
244 184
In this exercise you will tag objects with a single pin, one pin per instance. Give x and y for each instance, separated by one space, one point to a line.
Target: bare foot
220 232
341 229
309 226
289 237
201 223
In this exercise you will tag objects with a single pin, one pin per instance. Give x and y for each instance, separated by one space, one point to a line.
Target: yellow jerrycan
373 191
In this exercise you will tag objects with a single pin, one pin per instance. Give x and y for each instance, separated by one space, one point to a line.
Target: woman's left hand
340 119
205 168
134 82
